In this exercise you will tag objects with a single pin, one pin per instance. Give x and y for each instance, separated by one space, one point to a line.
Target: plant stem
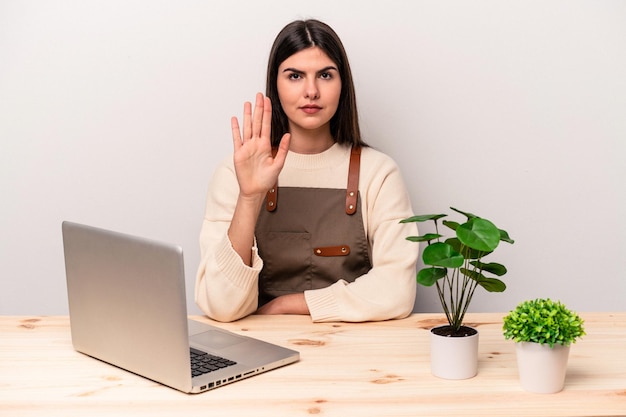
443 301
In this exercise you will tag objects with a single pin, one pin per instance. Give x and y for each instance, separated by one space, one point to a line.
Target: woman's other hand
286 304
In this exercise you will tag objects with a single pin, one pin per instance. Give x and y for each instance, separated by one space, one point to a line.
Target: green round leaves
456 264
442 254
428 276
479 234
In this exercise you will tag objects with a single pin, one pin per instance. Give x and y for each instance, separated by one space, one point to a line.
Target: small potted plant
455 266
543 331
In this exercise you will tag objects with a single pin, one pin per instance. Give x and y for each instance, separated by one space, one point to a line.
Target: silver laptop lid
127 302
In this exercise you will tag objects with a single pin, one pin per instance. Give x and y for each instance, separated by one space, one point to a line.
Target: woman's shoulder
224 171
373 157
226 163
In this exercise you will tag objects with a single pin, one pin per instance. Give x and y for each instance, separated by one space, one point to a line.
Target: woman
304 219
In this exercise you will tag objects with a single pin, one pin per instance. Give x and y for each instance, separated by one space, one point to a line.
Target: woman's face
309 87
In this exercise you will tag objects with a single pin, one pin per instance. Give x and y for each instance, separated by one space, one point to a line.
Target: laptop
128 308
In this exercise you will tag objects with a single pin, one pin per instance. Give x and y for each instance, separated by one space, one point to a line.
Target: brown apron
311 237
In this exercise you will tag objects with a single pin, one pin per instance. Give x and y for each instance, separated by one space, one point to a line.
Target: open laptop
128 308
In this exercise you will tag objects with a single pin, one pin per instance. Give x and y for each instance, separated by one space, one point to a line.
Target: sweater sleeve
226 289
387 291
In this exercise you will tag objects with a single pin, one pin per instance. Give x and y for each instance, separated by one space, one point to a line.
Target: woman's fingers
256 125
266 123
234 126
257 118
283 148
255 167
247 121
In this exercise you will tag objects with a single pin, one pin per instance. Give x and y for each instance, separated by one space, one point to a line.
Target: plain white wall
115 113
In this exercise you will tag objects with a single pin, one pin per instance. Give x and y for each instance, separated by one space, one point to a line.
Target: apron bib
311 238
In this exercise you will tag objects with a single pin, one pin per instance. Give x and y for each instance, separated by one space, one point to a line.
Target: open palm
256 168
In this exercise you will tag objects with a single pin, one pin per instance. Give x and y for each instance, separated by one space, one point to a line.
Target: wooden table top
361 369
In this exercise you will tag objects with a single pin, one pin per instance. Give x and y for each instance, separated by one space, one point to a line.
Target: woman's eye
294 76
326 76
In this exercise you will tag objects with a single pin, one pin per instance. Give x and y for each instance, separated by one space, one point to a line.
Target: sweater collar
331 157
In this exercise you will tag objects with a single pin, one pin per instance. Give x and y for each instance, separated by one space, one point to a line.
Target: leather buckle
341 250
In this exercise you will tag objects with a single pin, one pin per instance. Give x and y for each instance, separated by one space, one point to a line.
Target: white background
115 113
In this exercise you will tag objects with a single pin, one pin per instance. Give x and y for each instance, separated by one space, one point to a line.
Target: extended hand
286 304
257 170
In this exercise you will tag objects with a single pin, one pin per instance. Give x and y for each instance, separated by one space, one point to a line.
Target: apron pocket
286 263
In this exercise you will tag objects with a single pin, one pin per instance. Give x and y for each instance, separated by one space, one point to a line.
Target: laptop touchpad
216 339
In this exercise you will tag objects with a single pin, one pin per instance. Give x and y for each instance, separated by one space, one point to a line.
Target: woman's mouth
310 109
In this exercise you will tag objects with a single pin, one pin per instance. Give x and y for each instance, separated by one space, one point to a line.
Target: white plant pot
542 368
454 357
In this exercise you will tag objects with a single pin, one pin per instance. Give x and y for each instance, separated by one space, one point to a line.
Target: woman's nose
311 91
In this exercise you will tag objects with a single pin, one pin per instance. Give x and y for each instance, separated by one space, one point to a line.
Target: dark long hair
299 35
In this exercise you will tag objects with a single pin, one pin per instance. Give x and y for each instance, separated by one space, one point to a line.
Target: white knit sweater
227 289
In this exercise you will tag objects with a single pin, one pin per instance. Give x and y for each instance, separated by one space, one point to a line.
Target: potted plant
543 331
455 266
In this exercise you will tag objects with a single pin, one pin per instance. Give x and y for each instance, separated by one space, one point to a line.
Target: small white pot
454 357
542 368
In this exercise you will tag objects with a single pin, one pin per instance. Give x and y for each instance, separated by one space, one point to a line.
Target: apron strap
353 180
272 193
271 201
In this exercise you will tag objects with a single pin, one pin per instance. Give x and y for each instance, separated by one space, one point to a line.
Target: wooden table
366 369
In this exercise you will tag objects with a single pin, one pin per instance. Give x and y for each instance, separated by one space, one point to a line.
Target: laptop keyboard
203 363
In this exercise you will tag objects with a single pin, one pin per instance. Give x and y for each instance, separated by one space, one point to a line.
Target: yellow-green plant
456 265
543 321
